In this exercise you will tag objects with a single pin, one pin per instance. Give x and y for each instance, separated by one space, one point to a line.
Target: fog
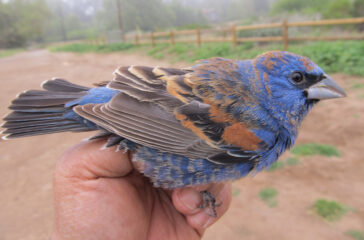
41 21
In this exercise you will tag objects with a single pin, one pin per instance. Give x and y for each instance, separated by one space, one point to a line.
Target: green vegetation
310 149
346 56
275 166
357 85
355 234
86 47
9 52
329 210
335 56
191 52
327 8
236 192
22 21
268 195
193 26
149 15
292 161
25 22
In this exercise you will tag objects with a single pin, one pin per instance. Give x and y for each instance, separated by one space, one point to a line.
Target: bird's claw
209 200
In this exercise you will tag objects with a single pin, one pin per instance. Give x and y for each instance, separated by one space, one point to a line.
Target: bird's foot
209 200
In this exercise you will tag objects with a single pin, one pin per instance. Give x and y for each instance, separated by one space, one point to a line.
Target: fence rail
196 35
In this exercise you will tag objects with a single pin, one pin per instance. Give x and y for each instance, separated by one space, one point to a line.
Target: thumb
89 160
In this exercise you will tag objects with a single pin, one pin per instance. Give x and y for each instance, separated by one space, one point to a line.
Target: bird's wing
143 113
161 108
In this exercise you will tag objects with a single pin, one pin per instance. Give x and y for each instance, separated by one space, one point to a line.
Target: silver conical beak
325 89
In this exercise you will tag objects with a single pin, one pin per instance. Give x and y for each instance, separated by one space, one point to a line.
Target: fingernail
190 198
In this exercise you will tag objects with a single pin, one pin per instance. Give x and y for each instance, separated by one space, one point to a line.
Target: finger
187 200
202 219
89 160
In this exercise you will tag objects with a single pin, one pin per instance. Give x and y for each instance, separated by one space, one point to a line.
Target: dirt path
26 165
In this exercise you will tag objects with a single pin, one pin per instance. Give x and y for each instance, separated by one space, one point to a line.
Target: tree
148 15
338 9
358 8
327 8
22 21
185 15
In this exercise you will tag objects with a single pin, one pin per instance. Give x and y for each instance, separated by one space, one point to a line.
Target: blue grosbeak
216 121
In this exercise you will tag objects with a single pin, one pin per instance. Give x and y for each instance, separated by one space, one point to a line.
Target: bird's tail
37 112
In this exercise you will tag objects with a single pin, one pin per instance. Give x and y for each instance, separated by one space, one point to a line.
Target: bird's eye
297 77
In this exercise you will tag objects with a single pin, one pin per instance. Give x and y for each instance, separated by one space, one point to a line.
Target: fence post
136 39
152 37
285 35
233 30
198 32
171 35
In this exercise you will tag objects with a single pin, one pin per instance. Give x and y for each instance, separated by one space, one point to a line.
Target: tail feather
21 117
37 112
34 123
48 126
74 128
44 99
27 109
61 85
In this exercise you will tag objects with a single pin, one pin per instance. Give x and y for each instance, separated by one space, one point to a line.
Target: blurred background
27 22
315 191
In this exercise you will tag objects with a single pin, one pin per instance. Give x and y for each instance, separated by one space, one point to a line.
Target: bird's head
292 85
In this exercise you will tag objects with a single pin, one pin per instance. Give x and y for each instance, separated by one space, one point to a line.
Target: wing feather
92 112
147 124
159 108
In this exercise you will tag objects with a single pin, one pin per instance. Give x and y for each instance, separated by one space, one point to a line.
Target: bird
216 121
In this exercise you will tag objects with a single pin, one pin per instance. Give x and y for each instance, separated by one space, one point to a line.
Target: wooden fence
172 36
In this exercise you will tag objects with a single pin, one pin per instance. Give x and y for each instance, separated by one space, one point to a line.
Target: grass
236 192
275 166
86 47
341 56
356 115
292 161
355 234
310 149
9 52
357 86
329 210
268 195
345 56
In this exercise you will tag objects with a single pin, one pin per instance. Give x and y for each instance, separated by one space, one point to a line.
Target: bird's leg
209 200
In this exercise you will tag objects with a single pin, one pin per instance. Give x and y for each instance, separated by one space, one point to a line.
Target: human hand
100 195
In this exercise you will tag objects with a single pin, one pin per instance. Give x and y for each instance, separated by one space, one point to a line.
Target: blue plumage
94 96
172 171
216 121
